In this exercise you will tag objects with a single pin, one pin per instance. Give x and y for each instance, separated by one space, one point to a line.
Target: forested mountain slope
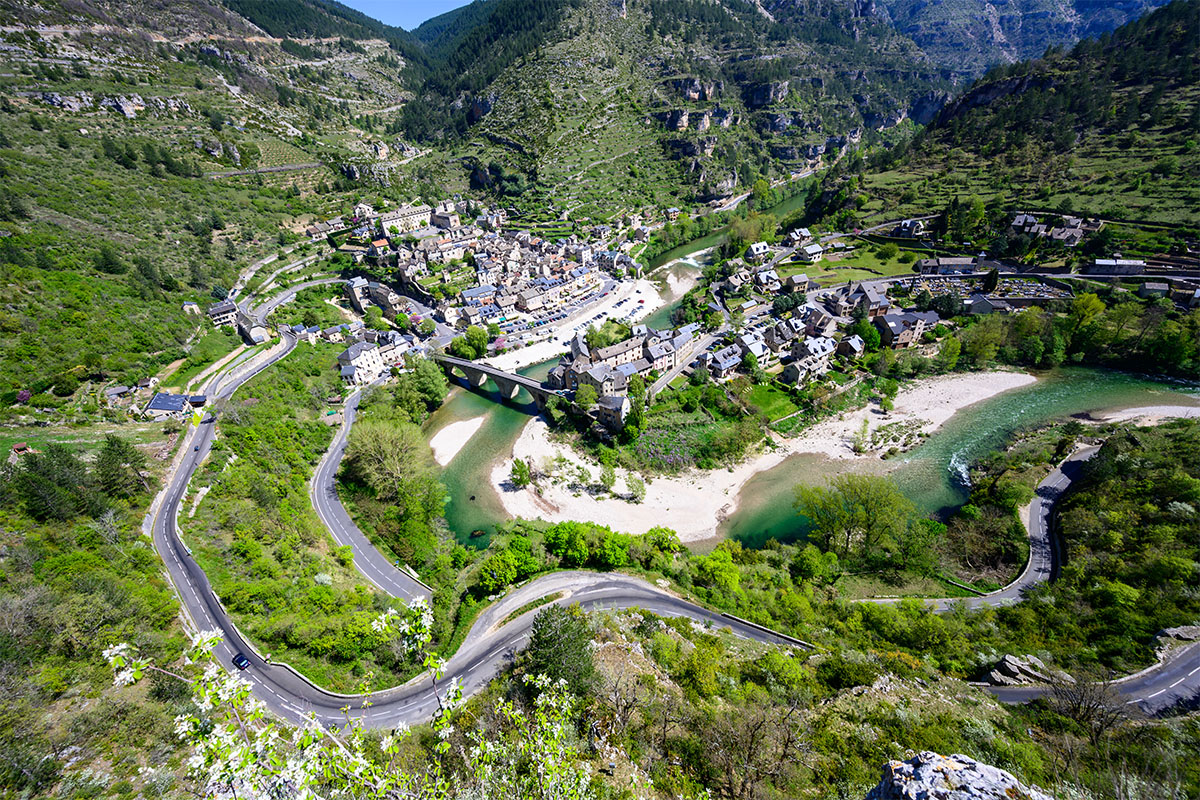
644 93
114 119
1108 127
972 35
588 107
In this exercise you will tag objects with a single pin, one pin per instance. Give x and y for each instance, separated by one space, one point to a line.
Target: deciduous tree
585 396
560 648
858 517
520 473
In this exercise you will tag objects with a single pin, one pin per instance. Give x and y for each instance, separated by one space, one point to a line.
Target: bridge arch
509 383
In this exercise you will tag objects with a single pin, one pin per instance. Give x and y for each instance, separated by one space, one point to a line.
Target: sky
406 14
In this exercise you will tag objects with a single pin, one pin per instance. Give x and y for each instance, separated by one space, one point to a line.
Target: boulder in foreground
929 776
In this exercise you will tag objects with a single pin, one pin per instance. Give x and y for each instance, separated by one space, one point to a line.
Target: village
456 269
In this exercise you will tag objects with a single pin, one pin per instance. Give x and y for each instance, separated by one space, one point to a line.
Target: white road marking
1156 694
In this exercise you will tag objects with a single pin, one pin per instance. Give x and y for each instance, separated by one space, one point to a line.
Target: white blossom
117 654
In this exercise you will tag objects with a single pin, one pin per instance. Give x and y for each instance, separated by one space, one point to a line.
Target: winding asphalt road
491 643
1042 558
323 491
494 639
1174 683
1156 689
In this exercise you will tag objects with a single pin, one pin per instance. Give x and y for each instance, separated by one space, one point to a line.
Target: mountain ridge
974 35
1107 128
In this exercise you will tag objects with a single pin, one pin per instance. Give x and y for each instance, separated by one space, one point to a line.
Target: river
474 509
781 211
933 475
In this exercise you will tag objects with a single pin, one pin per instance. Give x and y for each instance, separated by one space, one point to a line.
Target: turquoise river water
933 475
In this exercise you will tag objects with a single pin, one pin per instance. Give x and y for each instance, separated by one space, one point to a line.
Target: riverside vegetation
687 710
109 221
1107 128
692 679
290 588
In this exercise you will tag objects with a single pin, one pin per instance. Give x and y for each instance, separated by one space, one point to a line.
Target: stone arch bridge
507 382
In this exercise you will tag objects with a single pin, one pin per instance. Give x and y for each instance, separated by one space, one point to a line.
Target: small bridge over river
507 382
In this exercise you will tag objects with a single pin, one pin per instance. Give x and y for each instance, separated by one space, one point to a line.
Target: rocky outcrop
686 148
128 106
1018 671
1169 638
480 107
695 90
378 173
764 94
224 55
929 775
991 92
677 119
726 184
82 102
777 123
175 105
701 121
218 149
722 117
879 121
1184 633
924 108
863 8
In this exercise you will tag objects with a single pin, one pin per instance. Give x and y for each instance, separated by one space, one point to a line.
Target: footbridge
507 382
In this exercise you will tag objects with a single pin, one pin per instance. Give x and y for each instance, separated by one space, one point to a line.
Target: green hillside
453 23
601 107
972 35
1107 128
322 19
127 178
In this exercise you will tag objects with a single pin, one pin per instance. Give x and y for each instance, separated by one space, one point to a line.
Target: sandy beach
679 285
697 502
553 346
923 406
449 440
1151 415
680 281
